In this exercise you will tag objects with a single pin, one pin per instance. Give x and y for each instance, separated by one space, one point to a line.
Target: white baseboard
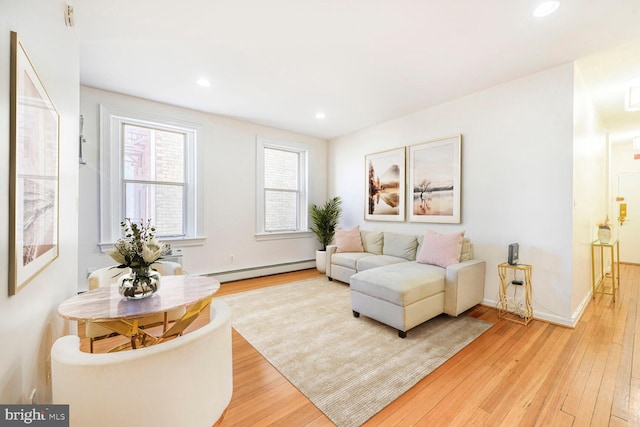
267 270
543 315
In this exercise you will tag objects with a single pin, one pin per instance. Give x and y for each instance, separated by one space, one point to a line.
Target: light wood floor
513 375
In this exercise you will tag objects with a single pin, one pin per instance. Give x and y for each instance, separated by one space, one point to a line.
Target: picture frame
435 180
34 172
385 185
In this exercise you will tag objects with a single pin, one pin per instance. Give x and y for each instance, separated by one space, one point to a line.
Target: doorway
628 187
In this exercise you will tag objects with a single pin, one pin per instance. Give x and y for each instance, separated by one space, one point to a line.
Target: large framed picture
33 186
434 180
385 185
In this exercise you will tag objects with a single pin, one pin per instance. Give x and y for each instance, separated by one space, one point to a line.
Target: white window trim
111 195
303 149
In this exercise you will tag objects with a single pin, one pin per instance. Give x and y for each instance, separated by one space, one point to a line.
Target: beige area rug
350 368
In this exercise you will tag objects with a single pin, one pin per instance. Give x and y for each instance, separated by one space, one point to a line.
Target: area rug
350 368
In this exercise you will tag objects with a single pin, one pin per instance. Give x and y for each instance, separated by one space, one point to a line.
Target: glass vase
139 283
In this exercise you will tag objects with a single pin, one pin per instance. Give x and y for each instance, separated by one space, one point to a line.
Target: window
281 188
149 170
153 168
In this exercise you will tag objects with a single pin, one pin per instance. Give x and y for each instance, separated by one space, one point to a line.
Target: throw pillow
349 240
441 249
372 241
467 250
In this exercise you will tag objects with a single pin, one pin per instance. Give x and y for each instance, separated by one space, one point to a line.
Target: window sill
283 235
176 242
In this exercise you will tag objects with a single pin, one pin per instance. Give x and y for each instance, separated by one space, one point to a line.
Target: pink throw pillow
441 249
349 240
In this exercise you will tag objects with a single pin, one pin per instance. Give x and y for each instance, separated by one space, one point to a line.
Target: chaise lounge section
405 280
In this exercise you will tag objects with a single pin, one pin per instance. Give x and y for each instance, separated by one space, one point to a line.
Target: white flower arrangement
139 248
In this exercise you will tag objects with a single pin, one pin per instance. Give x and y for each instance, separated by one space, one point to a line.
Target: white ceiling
361 62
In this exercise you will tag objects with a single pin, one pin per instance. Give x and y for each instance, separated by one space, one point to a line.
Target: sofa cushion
349 240
377 261
467 250
400 245
401 284
372 241
441 249
348 259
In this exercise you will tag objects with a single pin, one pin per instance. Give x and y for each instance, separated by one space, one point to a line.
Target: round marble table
105 306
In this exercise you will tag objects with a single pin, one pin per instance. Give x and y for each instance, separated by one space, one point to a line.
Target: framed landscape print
434 180
33 187
385 185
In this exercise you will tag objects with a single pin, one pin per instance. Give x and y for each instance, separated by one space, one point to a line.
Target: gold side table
522 315
598 286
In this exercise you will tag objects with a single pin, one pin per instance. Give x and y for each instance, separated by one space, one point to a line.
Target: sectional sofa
404 280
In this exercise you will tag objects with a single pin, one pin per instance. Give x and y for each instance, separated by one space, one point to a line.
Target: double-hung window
282 188
149 170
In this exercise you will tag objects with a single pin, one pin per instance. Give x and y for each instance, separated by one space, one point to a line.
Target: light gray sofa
388 285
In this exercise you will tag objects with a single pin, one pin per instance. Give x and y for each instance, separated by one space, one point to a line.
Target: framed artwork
385 185
434 180
33 186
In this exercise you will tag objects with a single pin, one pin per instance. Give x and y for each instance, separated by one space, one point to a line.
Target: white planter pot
321 261
604 235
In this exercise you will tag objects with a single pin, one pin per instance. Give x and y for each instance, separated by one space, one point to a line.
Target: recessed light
203 82
320 116
546 8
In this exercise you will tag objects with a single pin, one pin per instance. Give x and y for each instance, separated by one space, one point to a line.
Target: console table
597 285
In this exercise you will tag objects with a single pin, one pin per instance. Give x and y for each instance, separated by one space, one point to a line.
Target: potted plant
325 220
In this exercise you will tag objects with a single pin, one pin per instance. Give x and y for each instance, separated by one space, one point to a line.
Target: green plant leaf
325 219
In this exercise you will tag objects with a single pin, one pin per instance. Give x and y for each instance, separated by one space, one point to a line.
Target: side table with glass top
598 285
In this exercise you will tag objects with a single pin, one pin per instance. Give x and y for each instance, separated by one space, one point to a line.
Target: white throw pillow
372 241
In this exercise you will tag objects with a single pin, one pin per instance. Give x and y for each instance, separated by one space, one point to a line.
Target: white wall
229 185
590 182
29 322
517 178
622 162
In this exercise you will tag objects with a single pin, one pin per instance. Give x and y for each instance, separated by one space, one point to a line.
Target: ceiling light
320 116
546 8
632 99
203 82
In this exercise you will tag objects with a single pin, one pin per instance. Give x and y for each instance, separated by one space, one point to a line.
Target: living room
534 171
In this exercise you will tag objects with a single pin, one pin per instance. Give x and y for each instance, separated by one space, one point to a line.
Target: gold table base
504 312
598 285
139 338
